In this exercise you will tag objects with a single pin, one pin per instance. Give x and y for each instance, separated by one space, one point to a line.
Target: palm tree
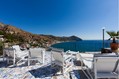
113 35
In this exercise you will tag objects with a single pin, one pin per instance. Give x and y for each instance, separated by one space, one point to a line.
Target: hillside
16 36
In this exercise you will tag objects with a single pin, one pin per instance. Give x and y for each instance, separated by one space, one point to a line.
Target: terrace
35 71
40 71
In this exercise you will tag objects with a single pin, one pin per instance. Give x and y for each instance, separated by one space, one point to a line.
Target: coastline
82 46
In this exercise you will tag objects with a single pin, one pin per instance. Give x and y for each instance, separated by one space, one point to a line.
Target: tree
113 35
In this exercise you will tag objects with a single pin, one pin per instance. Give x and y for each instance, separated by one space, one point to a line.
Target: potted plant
114 36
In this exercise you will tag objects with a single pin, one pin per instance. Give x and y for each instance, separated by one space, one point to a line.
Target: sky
83 18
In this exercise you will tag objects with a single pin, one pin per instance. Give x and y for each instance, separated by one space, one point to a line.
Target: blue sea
83 46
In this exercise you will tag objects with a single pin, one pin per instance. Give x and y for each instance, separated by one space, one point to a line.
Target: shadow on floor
77 63
78 74
3 64
46 71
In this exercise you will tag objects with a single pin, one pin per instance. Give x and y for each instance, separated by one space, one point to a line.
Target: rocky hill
16 35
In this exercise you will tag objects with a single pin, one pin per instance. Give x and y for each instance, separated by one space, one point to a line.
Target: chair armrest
68 60
88 62
67 57
88 59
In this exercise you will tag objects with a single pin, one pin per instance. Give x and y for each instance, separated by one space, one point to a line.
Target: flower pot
114 46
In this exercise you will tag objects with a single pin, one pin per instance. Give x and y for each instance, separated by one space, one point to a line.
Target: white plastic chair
15 54
99 66
86 63
61 59
104 66
9 53
36 54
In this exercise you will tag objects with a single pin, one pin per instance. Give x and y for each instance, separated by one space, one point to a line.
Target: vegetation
15 35
113 35
1 48
2 32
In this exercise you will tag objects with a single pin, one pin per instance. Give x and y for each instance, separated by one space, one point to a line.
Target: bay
83 46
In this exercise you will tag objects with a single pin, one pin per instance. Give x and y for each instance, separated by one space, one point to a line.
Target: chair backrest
19 53
10 52
57 54
16 47
105 64
37 52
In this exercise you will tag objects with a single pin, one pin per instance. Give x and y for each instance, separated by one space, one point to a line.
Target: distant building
1 38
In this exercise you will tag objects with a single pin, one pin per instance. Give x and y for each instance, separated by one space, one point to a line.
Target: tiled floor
38 71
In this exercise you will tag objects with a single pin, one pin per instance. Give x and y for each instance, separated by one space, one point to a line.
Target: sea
83 46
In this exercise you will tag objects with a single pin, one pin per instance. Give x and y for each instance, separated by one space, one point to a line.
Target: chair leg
84 71
7 60
3 57
89 74
14 62
86 74
52 66
43 58
62 70
28 62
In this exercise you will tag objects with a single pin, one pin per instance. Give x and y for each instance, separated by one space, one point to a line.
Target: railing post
103 30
